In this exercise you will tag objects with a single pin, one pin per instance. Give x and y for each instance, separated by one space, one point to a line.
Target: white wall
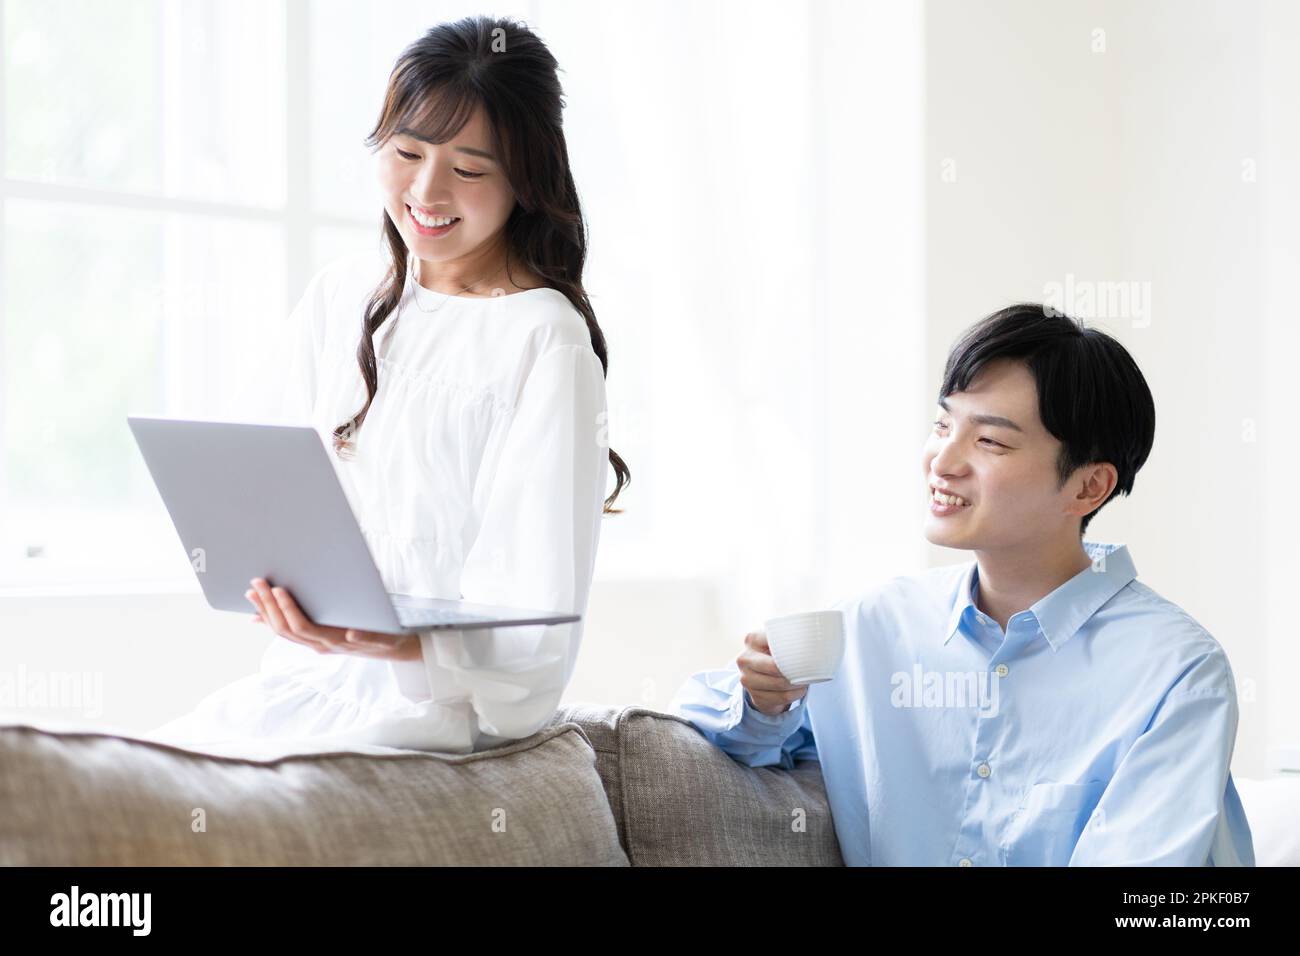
1280 238
1135 163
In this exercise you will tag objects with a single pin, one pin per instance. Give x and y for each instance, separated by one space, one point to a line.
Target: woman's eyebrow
460 149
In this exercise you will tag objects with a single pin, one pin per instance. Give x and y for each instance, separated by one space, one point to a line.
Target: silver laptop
252 501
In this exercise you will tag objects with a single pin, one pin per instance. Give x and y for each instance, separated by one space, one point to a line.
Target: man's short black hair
1091 394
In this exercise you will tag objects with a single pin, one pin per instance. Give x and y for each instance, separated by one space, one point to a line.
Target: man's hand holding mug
778 664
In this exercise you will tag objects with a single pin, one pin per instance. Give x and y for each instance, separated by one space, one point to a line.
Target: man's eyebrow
996 420
460 149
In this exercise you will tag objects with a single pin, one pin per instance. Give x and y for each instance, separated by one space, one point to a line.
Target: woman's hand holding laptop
276 607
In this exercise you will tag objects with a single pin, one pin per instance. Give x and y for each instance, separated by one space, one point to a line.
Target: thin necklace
415 293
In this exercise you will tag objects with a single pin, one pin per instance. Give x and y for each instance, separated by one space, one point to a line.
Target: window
152 235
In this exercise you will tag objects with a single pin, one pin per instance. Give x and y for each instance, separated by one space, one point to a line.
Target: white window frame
298 221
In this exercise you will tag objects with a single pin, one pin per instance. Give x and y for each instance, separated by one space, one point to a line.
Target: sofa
598 786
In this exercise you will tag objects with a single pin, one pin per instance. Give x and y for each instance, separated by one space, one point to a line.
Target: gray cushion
97 799
680 801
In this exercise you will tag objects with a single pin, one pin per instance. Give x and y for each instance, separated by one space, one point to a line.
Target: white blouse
479 472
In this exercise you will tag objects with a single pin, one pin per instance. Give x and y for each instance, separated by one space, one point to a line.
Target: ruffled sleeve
540 510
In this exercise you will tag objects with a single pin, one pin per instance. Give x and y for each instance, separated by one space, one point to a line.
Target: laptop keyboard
427 617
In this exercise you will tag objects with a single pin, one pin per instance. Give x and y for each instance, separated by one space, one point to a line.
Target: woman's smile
432 231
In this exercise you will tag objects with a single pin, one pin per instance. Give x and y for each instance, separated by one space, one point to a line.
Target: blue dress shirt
1097 730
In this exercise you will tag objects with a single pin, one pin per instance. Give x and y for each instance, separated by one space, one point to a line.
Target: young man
1038 706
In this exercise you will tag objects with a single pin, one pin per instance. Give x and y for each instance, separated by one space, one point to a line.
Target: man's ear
1092 485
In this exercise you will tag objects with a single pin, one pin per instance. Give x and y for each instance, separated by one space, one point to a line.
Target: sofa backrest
680 801
75 798
599 785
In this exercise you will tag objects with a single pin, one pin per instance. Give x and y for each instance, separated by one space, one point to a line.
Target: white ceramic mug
808 647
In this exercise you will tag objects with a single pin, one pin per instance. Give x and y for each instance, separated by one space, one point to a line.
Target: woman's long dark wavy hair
434 87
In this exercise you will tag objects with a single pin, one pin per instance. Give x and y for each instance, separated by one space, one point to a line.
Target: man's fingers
761 675
765 684
758 662
763 664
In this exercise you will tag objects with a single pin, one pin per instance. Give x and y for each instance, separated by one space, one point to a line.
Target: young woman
467 424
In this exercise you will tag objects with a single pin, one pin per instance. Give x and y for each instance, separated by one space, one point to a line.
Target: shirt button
1003 670
965 861
983 770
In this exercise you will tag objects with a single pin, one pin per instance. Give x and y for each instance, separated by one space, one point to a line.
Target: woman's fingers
268 608
302 626
395 647
362 640
369 643
277 608
294 619
330 638
254 600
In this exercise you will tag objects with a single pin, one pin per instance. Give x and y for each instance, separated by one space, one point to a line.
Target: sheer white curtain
751 172
752 176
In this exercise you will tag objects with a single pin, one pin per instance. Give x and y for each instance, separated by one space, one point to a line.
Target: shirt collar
1061 613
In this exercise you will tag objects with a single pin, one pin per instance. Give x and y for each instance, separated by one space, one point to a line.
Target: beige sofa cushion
97 799
680 801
